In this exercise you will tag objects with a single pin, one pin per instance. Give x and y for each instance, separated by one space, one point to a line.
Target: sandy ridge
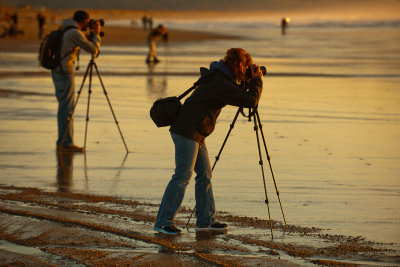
100 223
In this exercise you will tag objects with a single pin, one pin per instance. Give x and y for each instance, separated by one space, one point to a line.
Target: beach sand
61 228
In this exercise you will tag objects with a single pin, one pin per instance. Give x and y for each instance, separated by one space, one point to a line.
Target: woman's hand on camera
256 71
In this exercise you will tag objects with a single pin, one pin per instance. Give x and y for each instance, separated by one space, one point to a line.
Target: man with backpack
63 75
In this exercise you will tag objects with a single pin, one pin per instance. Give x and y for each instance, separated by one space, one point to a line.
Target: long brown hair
237 60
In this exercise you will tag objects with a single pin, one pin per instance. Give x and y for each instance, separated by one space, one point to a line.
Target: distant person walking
63 76
159 31
284 24
41 23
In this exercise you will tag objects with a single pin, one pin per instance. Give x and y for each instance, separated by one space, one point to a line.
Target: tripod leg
109 104
262 171
88 102
226 138
217 157
75 104
270 165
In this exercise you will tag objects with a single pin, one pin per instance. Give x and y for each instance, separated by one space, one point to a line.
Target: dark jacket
198 116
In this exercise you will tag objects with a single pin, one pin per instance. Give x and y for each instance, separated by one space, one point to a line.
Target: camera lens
263 70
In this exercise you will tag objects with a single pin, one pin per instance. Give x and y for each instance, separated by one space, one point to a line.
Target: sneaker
73 148
169 230
217 226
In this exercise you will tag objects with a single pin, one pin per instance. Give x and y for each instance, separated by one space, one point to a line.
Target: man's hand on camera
97 27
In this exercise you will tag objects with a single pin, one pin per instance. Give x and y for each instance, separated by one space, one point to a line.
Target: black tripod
253 113
89 70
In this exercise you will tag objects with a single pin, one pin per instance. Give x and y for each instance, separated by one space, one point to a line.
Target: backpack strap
64 31
71 50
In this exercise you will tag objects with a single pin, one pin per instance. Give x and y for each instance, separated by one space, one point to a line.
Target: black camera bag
165 110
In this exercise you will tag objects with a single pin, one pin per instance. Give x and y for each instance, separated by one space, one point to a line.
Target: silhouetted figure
217 88
150 22
14 18
11 26
159 31
144 22
284 24
64 170
41 22
64 75
147 22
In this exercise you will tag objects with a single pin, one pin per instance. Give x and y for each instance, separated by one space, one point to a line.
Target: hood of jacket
69 22
220 65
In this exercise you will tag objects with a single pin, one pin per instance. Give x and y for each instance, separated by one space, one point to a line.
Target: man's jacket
199 113
73 40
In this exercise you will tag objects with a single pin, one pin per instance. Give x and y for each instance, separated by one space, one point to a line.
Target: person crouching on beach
218 86
159 31
63 76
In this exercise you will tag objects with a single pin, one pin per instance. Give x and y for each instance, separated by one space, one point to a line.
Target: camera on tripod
92 22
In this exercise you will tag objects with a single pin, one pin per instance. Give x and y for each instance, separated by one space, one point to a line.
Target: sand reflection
64 171
156 83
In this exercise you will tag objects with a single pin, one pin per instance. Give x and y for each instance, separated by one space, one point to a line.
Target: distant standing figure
14 18
284 24
41 22
63 76
159 31
144 22
12 30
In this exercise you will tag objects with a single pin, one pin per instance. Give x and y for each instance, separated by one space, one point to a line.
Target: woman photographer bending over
219 86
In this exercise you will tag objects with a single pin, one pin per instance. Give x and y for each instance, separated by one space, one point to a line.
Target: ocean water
330 114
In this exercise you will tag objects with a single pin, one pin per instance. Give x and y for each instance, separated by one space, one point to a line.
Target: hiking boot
73 148
169 230
217 226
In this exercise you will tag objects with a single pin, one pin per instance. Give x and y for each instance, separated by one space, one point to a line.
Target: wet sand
102 230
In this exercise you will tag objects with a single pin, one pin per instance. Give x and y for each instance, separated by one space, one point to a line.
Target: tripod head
251 112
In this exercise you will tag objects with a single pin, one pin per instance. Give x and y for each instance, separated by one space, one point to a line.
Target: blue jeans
65 93
189 157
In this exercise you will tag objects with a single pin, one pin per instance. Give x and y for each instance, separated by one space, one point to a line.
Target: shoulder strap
190 89
64 31
72 49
